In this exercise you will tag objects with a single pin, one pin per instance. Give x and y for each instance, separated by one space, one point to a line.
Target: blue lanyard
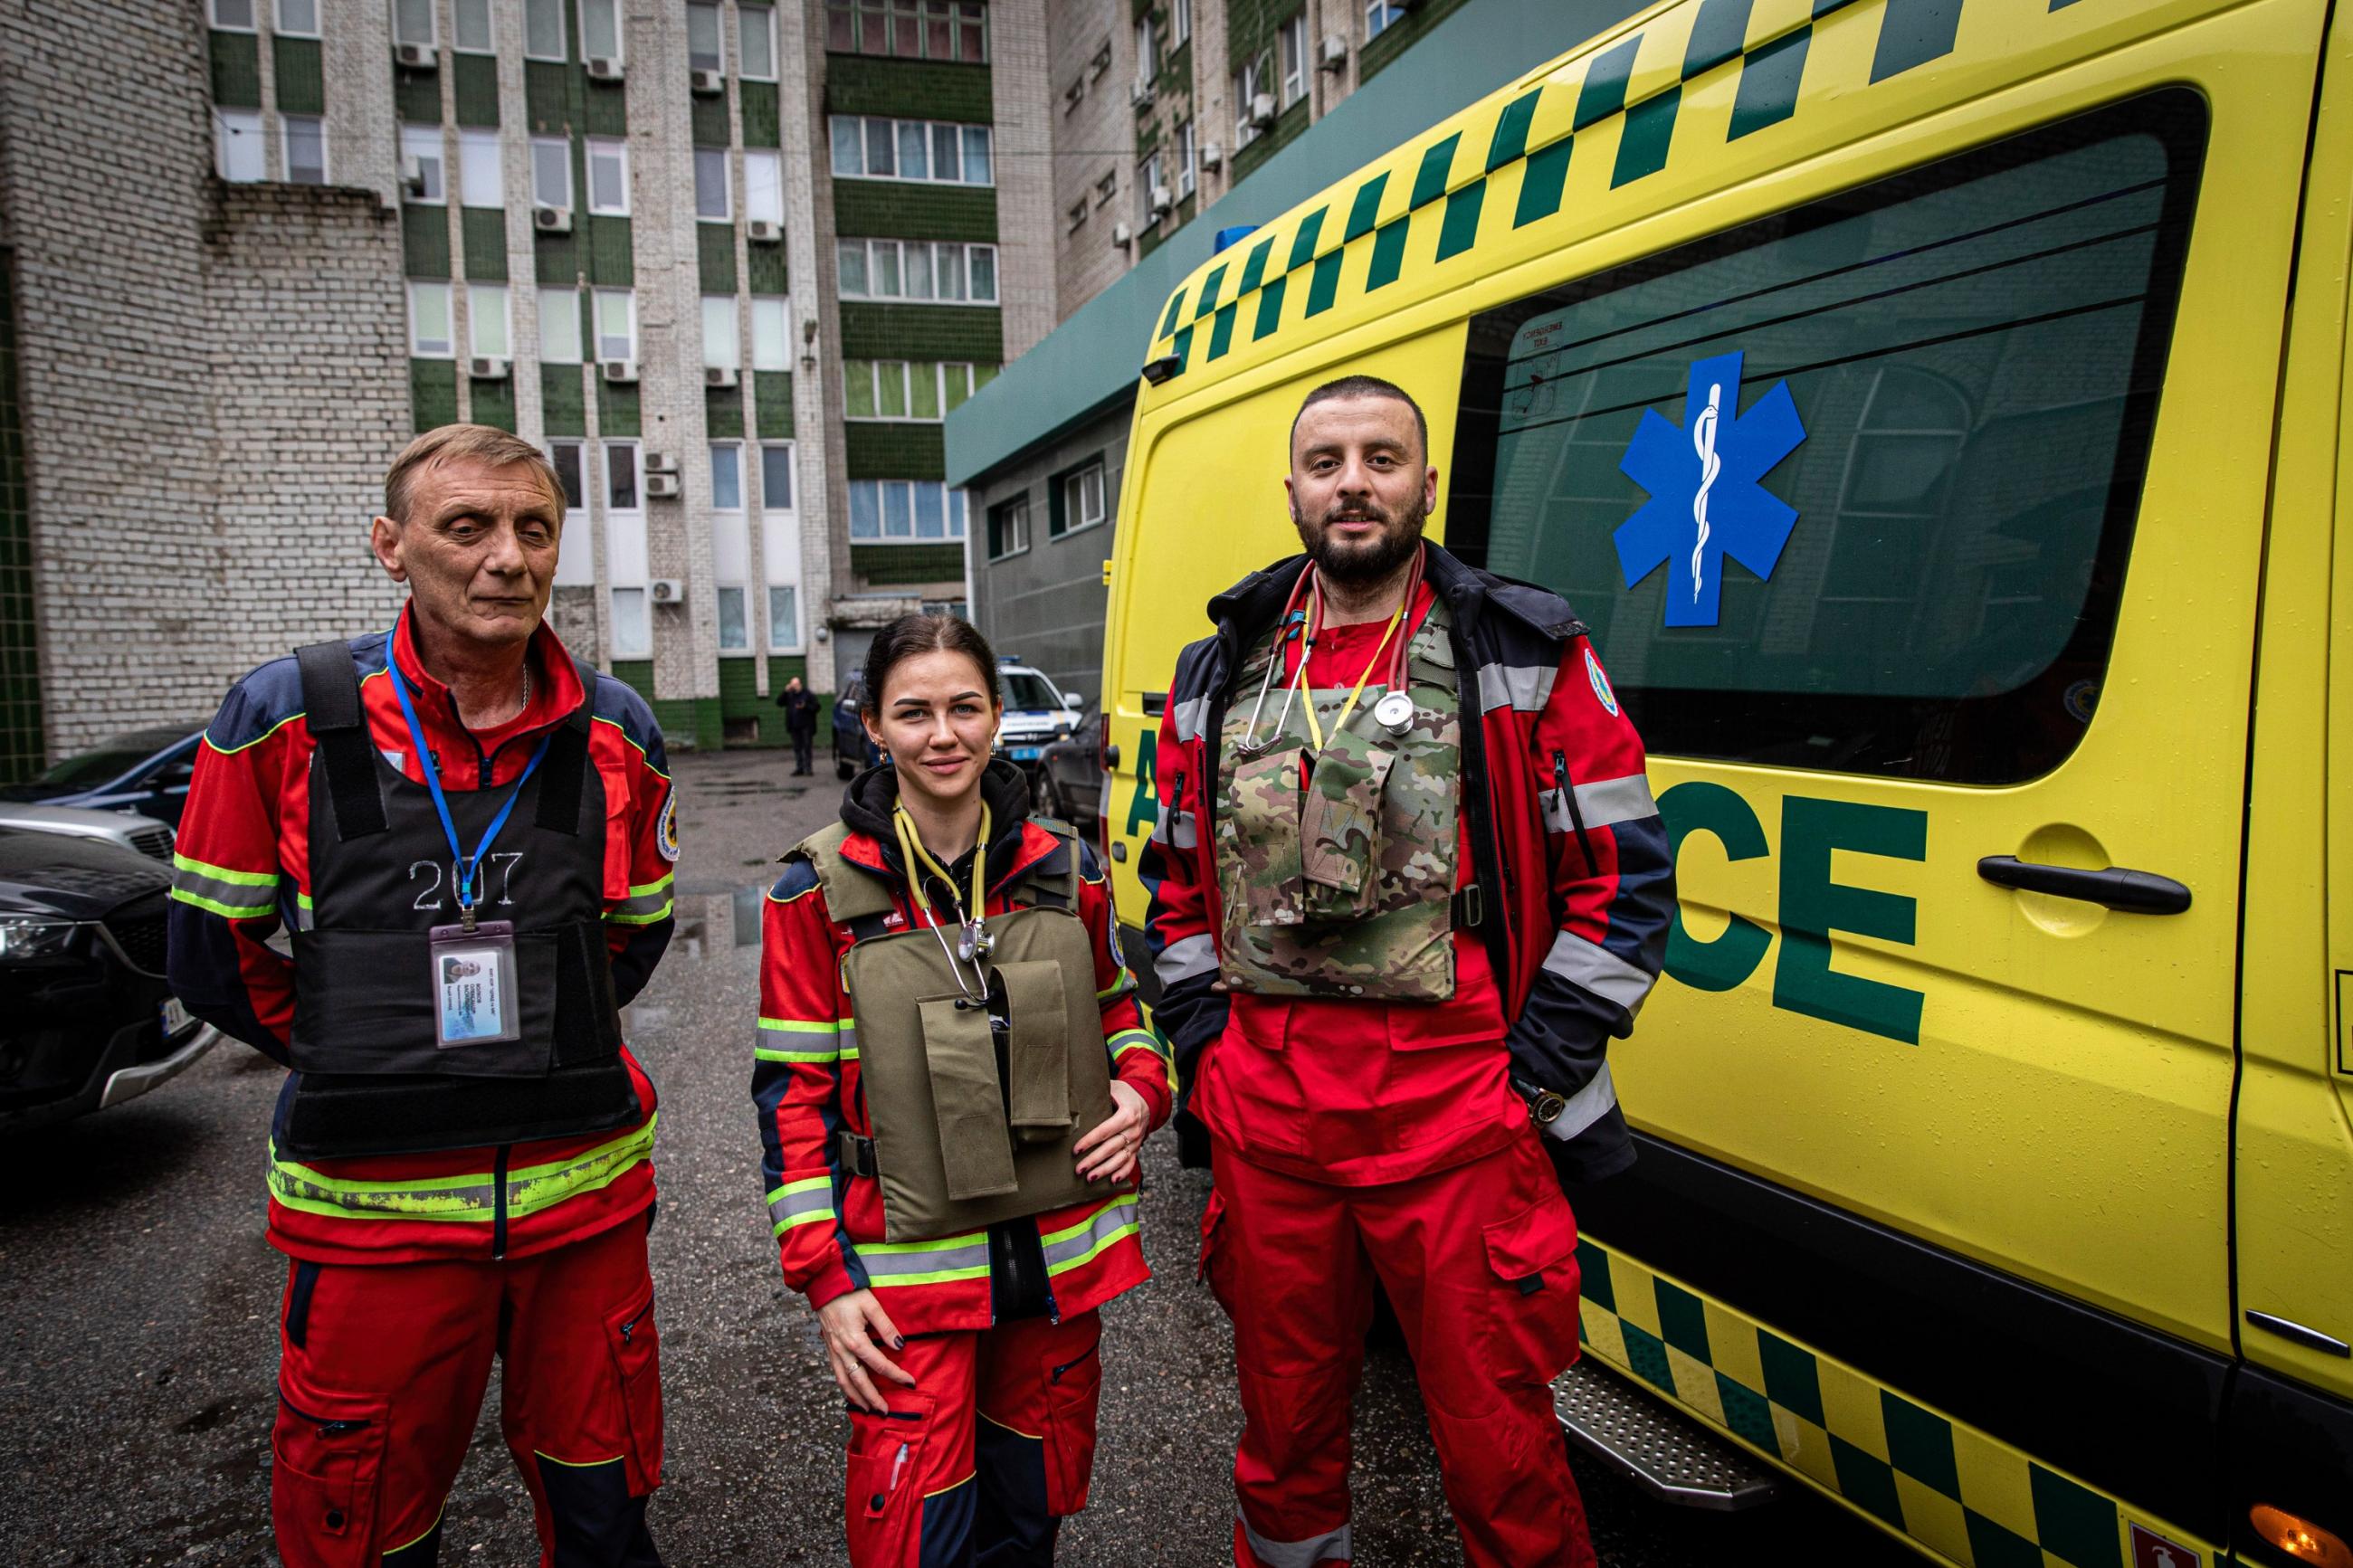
468 867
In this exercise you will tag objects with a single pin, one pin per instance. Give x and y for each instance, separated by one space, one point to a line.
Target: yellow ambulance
1938 411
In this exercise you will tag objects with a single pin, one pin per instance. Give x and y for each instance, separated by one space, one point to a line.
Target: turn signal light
2300 1538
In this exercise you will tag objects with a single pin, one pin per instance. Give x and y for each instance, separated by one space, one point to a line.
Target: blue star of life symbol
1705 501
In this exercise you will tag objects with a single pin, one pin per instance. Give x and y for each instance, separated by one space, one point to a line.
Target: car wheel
843 768
1049 797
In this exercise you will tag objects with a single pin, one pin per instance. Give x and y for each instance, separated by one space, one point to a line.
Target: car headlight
23 939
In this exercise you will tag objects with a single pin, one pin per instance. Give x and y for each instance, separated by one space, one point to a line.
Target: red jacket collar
556 689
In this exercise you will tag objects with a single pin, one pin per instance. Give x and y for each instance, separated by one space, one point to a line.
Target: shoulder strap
338 726
853 898
1052 880
565 769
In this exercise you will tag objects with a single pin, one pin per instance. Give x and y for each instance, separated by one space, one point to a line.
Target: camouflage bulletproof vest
1342 887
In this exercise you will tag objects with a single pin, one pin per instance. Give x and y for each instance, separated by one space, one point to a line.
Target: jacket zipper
499 1203
1576 817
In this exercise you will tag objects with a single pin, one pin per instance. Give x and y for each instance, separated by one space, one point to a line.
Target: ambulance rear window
1852 488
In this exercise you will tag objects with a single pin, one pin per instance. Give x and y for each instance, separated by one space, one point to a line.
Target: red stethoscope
1393 713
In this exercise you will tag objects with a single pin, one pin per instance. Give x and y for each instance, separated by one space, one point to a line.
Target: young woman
950 1165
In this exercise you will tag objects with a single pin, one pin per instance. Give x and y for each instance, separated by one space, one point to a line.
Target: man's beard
1357 564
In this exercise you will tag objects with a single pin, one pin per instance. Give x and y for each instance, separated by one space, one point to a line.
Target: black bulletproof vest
373 1080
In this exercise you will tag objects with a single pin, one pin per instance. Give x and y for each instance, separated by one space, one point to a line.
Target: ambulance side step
1663 1451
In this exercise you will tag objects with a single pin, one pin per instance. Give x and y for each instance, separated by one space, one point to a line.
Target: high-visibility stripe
468 1198
1186 958
1585 1107
1067 1249
1191 714
1332 1546
1604 803
235 895
223 874
646 903
816 1040
1597 969
927 1262
226 911
1524 688
804 1202
1128 1040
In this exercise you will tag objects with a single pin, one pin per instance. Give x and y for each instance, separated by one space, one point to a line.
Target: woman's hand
856 1329
1118 1141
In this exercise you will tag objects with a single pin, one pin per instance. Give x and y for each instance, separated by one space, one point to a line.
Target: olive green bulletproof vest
971 1130
1342 887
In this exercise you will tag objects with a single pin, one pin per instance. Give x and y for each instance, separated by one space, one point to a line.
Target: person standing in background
799 704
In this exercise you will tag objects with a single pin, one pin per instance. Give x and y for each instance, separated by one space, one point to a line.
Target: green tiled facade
772 402
723 414
485 243
761 127
886 564
974 332
22 752
433 392
911 89
894 450
425 241
764 268
884 209
474 84
618 412
563 399
494 403
300 79
417 97
1402 35
611 262
714 244
236 69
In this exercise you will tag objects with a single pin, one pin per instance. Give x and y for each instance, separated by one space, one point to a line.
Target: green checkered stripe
1248 295
1959 1492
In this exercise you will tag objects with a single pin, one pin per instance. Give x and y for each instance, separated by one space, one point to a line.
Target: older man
1406 884
469 835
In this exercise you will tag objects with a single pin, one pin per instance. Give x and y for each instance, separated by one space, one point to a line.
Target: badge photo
474 1000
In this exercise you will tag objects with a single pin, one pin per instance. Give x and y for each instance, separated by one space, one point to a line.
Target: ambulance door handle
2135 893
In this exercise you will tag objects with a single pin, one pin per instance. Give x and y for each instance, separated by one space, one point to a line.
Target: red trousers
1480 1261
978 1463
381 1373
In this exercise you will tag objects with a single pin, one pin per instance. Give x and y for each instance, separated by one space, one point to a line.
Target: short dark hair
1363 387
910 637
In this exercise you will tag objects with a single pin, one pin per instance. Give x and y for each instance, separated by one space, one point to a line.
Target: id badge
474 1000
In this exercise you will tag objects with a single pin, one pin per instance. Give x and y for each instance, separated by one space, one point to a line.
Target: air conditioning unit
551 220
1261 110
620 372
762 231
706 84
412 176
1163 201
1121 235
604 67
1140 95
667 590
661 463
722 377
661 487
414 56
1213 155
483 367
1333 54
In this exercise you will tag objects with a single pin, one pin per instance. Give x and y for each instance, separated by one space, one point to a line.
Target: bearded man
1408 881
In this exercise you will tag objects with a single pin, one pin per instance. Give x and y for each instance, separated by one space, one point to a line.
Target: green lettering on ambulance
1698 806
1812 906
1143 806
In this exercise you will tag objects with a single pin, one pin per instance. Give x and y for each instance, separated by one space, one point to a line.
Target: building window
871 148
911 30
559 326
711 197
1180 23
726 476
1379 14
733 636
1250 86
486 321
1293 39
702 49
565 458
771 332
763 186
412 22
1008 527
429 332
233 15
722 346
1107 187
616 324
776 477
304 139
1187 156
1147 191
542 30
755 43
471 24
784 618
959 382
923 390
420 146
600 29
917 270
296 18
1082 497
237 145
1147 51
551 173
633 635
482 175
896 510
1078 214
608 176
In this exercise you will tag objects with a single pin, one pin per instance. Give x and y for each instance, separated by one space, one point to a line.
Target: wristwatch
1545 1105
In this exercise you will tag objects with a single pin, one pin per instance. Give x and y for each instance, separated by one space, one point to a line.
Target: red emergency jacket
828 1222
242 871
1575 877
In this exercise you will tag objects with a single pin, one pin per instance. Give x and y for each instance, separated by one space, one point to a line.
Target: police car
1037 711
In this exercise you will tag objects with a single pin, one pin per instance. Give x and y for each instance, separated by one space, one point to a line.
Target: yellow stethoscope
972 938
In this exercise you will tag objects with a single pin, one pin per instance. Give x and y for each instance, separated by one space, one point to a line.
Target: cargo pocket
1340 830
975 1148
1038 1057
886 1482
637 1359
326 1452
1073 1388
1262 806
1532 1320
1212 1265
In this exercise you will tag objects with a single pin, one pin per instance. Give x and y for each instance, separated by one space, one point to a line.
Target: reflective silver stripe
801 1202
1184 960
641 906
303 917
1069 1247
1598 969
1331 1546
1585 1108
1604 803
192 886
1191 715
1525 687
910 1263
1174 828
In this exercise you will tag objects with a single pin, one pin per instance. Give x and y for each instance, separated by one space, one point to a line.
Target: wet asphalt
138 1343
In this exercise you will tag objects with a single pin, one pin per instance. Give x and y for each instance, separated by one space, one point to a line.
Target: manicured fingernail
900 1344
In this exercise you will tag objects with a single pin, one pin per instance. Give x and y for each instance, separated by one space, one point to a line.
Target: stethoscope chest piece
1394 713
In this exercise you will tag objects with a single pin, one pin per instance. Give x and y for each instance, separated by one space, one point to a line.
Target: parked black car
146 771
88 1020
1071 771
854 750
